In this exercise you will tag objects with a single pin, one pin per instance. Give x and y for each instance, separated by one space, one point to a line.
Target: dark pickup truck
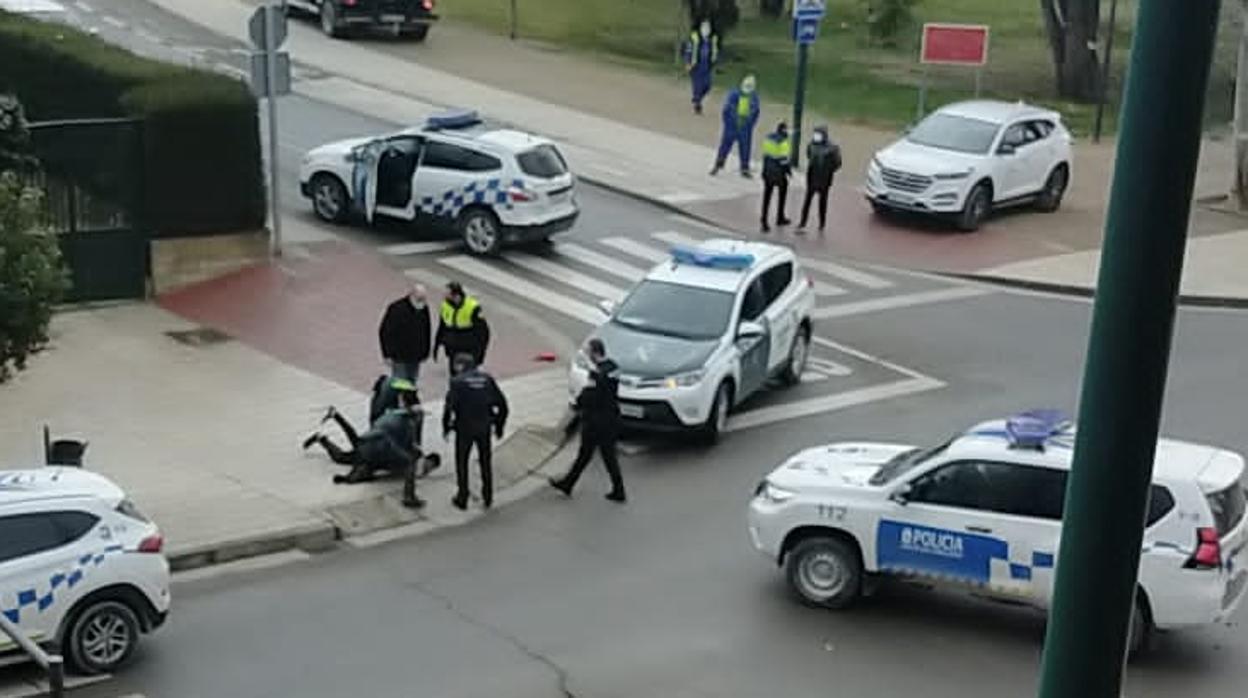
339 18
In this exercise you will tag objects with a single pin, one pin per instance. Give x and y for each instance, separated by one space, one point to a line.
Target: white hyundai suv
80 568
983 513
703 332
966 159
491 186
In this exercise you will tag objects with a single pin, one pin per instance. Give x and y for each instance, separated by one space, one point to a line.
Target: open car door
364 177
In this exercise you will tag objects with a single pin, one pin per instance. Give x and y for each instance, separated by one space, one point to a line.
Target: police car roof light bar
710 259
1031 429
453 119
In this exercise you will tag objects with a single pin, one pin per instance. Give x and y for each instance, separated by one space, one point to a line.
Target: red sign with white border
954 44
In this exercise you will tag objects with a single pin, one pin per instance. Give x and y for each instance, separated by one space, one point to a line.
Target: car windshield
542 161
670 309
906 461
959 133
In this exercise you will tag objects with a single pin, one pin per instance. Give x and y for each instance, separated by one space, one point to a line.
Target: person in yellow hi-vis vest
777 166
462 329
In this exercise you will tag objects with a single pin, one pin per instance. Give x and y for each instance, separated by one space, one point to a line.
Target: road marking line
672 237
610 265
869 358
636 249
567 277
109 19
829 403
404 249
524 289
707 227
876 305
853 276
828 368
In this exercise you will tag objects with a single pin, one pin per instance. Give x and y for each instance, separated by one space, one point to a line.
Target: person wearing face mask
740 116
701 55
823 160
405 334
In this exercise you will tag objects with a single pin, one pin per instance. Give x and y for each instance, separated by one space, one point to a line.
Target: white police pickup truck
983 512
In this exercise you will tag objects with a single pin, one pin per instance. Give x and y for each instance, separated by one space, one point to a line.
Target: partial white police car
80 568
492 186
983 512
966 159
704 331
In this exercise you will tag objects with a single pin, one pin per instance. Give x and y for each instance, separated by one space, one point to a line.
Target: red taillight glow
810 283
517 195
152 544
1208 553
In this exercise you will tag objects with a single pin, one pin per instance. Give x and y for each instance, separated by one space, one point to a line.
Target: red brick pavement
319 311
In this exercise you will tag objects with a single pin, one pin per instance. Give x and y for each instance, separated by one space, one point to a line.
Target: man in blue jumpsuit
701 55
740 115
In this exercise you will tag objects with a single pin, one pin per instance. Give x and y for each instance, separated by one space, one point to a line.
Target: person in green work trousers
777 167
462 329
740 116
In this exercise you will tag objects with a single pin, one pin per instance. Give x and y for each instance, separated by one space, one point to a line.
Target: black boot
561 486
617 496
460 502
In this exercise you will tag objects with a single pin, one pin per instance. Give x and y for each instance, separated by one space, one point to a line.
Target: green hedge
202 165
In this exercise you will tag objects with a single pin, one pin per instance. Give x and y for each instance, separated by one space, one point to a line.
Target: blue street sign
806 30
803 9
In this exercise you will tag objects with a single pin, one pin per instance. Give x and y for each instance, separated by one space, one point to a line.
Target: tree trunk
1072 28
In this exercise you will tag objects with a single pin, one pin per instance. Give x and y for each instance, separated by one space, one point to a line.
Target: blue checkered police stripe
449 203
59 582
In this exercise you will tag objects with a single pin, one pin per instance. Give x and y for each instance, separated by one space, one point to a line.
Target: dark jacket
474 404
473 340
384 398
823 160
404 332
389 443
599 402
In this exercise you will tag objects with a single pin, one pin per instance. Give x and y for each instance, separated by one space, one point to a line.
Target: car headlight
875 165
685 380
949 176
776 495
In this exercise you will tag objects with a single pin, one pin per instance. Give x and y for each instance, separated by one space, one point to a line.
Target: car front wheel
717 422
102 637
825 572
798 356
978 205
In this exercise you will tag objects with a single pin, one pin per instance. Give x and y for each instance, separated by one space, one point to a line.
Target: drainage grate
201 337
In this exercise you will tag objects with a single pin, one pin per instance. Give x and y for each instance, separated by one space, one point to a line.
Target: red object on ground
548 356
954 44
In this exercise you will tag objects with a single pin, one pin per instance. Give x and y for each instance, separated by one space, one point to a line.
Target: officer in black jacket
474 407
599 408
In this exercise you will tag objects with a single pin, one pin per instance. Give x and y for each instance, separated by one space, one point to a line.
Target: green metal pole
799 101
1132 328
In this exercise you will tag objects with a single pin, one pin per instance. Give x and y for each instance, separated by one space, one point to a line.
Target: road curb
1074 290
657 202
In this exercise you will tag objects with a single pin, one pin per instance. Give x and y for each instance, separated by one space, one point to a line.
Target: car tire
481 231
825 572
102 637
418 33
330 201
878 208
799 353
1050 198
329 21
978 206
1140 633
717 421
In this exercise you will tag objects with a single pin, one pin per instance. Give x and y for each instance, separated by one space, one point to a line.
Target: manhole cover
201 337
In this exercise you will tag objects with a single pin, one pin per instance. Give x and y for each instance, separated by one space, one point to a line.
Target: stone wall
178 262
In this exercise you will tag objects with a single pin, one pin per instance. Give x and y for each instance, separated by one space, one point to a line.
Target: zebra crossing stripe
876 305
524 288
566 276
637 249
410 248
853 276
601 262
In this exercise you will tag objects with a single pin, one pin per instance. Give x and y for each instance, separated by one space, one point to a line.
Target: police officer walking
777 166
462 329
475 406
599 409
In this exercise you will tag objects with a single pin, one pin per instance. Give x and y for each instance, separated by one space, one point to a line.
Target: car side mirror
1006 149
902 494
607 307
750 330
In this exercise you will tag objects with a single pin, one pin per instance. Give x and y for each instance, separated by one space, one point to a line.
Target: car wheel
481 232
825 572
978 205
329 21
329 199
799 353
878 208
102 637
417 33
1054 189
717 421
1141 630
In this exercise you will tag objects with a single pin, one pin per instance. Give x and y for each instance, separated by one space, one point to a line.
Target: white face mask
706 30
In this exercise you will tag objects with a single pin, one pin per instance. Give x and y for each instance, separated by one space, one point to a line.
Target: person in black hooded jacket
599 408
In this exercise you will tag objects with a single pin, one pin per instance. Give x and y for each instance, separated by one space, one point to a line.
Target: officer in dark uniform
599 409
474 407
462 329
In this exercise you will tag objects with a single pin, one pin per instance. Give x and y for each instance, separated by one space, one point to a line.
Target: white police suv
80 567
966 159
491 186
704 331
983 512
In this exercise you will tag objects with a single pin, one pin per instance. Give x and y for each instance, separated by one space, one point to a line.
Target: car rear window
1228 508
543 161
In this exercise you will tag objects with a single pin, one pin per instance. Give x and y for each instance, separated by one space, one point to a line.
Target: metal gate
92 177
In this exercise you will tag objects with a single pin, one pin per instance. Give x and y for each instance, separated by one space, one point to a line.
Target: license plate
395 19
900 198
632 411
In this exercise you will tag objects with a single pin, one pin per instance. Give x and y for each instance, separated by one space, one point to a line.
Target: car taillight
349 3
518 195
1208 555
810 283
152 544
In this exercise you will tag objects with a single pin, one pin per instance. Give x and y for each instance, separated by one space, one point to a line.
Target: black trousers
362 471
603 443
464 443
780 186
811 192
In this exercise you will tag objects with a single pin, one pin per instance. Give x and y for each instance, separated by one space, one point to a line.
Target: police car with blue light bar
982 512
703 331
453 174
